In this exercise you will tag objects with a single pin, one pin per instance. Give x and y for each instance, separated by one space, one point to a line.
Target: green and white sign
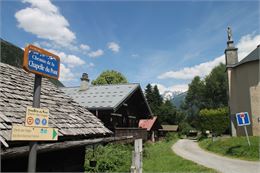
23 133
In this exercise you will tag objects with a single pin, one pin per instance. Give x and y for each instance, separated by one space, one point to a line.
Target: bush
110 158
215 120
184 128
170 136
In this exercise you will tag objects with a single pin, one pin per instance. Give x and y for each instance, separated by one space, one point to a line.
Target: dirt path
190 150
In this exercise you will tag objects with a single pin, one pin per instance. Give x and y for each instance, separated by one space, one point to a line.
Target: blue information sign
44 121
41 62
243 119
37 121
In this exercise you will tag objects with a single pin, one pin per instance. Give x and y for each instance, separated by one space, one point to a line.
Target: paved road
190 150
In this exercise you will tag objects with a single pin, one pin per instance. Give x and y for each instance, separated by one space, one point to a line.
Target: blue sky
164 43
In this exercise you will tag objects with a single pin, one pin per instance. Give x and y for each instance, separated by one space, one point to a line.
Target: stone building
243 87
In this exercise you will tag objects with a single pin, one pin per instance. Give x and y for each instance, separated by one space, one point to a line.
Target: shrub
170 136
109 158
184 128
215 120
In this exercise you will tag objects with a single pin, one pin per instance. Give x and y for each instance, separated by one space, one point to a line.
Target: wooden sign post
137 163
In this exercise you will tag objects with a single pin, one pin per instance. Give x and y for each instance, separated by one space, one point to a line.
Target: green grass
236 147
159 157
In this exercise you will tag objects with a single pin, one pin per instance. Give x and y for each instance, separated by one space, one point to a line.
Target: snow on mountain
169 95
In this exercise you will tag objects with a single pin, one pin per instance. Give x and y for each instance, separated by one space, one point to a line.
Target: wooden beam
132 117
19 151
117 115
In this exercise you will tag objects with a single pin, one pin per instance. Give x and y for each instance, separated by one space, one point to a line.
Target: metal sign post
244 120
248 141
41 63
36 103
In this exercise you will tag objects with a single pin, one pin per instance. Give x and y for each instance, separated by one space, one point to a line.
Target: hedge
215 120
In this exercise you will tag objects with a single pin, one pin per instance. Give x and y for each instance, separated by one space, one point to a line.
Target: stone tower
231 60
231 51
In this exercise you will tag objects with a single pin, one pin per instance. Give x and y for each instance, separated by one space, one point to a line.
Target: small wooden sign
23 133
41 62
36 117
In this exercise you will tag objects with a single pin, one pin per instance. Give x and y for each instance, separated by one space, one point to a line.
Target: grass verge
236 147
159 157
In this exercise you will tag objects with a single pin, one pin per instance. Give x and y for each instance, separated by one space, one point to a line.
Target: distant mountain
178 99
169 95
13 55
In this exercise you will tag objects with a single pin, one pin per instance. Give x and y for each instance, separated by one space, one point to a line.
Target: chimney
231 51
84 82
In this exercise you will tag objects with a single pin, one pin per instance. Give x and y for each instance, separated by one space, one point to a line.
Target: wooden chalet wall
127 115
137 133
66 160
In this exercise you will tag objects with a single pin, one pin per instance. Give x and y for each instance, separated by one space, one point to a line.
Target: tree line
204 107
166 112
207 98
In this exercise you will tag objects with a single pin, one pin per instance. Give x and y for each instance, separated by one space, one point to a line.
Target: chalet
117 105
152 126
168 128
77 127
243 87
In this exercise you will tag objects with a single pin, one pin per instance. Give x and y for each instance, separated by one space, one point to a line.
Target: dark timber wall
68 160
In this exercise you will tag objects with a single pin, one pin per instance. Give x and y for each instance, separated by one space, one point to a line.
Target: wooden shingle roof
105 97
170 128
16 93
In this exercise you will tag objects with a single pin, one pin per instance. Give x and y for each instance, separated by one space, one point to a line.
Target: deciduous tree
110 77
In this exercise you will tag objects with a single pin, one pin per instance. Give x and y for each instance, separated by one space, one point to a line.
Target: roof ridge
104 85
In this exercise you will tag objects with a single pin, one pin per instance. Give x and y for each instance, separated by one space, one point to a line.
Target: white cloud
190 72
44 5
90 65
245 45
113 46
37 44
135 55
43 44
65 73
44 20
84 47
96 53
173 88
46 44
180 87
69 60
